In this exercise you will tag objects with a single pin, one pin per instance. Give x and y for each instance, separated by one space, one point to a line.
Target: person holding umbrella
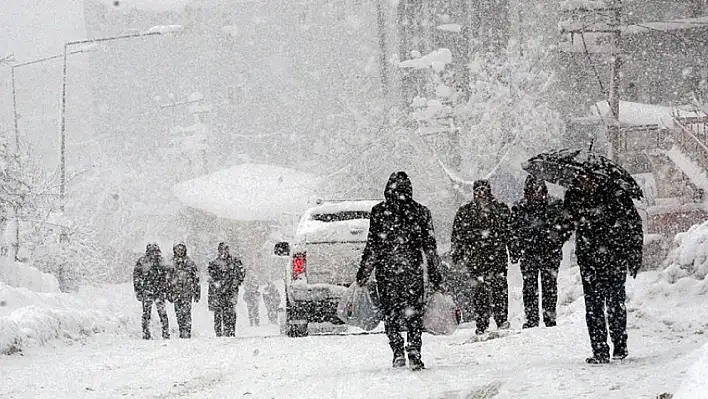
609 238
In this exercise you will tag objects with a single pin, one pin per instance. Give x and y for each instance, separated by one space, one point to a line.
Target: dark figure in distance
400 233
226 273
184 283
480 236
251 295
540 230
609 241
150 284
271 300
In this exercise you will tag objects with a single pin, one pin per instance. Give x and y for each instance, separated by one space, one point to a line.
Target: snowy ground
666 339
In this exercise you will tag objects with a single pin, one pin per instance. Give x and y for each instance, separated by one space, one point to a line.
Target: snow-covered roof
441 56
456 28
638 114
572 5
250 192
666 26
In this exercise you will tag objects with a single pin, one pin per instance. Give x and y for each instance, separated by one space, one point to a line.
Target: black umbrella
563 167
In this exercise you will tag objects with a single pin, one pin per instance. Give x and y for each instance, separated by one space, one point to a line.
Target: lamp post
154 31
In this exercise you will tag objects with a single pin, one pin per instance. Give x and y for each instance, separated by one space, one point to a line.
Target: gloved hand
633 273
139 297
197 296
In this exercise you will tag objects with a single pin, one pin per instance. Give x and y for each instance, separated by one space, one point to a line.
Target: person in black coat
609 240
480 236
400 233
184 288
251 295
540 230
226 273
150 285
271 300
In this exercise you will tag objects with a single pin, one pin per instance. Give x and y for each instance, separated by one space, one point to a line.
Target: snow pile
695 385
29 318
689 259
17 274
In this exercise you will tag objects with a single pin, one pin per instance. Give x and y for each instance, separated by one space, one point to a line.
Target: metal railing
691 137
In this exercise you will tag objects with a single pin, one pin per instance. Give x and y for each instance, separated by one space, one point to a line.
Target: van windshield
340 216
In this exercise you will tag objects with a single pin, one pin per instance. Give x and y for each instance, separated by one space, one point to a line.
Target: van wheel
294 328
297 330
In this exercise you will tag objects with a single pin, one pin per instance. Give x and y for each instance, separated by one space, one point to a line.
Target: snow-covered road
667 325
538 363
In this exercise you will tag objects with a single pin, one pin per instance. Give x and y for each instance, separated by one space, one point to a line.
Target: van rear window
340 216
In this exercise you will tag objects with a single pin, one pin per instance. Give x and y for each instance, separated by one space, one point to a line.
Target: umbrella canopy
250 192
563 167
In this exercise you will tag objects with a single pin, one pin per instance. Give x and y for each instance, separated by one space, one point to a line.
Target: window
340 216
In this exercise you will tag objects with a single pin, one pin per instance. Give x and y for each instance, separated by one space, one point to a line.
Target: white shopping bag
441 315
360 307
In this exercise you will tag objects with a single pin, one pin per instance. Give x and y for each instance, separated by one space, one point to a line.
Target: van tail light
299 265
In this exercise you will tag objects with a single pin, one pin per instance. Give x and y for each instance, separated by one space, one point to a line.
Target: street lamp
14 91
154 31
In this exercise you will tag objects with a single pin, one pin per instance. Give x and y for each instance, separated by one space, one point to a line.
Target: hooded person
151 286
480 236
540 230
184 287
226 273
400 234
608 244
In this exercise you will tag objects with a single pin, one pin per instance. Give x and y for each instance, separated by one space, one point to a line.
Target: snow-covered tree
502 118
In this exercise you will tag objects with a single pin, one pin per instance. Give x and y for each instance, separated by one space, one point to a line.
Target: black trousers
400 316
490 298
402 305
547 270
183 310
161 312
605 291
253 315
225 321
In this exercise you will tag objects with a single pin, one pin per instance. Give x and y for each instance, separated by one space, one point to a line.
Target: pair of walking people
156 281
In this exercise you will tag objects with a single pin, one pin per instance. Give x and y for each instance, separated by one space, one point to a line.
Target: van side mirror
281 249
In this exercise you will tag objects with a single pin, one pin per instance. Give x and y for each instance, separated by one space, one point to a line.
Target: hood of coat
398 189
535 191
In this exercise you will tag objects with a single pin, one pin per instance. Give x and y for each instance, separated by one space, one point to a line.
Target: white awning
250 192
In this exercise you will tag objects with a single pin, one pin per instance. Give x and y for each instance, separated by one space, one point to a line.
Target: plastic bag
442 316
360 307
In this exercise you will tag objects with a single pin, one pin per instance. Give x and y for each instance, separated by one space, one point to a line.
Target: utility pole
383 52
605 20
613 129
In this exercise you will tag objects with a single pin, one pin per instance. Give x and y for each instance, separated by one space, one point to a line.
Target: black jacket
400 233
184 280
150 278
609 236
225 276
539 226
480 236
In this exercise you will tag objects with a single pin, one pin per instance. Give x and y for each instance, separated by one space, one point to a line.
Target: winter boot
620 353
529 325
504 325
598 359
399 359
415 361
